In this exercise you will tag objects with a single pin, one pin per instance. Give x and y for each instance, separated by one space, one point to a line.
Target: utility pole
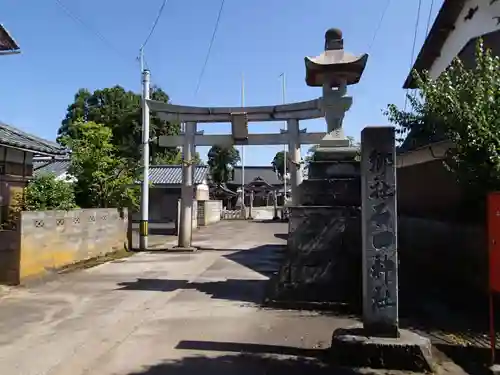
283 93
243 152
141 59
143 230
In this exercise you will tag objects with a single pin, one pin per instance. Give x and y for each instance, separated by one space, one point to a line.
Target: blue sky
258 38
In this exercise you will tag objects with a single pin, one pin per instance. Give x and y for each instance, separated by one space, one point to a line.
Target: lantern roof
334 66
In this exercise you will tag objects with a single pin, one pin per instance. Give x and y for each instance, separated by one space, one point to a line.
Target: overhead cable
210 47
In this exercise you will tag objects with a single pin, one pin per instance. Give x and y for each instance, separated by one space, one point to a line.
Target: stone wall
209 212
48 240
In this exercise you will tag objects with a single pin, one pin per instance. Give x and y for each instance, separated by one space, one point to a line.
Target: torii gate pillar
294 155
187 198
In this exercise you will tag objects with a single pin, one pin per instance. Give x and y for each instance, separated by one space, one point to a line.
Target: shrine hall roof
266 173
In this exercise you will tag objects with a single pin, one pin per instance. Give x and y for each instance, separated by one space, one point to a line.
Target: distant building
262 175
17 153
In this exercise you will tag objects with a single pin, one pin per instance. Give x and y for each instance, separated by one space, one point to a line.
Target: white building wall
481 23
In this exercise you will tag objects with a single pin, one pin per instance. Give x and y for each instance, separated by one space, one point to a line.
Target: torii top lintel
301 111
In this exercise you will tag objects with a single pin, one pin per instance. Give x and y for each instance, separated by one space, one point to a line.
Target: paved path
160 313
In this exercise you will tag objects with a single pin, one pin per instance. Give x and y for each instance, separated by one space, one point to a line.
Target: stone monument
379 342
324 240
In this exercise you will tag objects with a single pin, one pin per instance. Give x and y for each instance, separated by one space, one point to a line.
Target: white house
455 31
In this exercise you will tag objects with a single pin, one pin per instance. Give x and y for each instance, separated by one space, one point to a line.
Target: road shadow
250 348
251 359
265 260
230 290
281 236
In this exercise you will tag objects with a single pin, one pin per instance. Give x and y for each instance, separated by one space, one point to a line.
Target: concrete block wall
209 212
48 240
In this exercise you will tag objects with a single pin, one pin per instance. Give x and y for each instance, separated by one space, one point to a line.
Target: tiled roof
172 174
56 167
7 43
158 174
10 136
252 172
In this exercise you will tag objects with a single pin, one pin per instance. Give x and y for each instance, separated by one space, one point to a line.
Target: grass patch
92 262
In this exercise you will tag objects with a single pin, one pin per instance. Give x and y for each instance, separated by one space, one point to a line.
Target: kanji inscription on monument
379 228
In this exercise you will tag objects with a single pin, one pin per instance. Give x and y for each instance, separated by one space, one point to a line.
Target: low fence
257 213
233 215
45 241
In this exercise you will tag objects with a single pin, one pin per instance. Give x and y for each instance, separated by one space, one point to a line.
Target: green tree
47 193
278 163
175 159
103 178
120 111
464 105
353 142
221 162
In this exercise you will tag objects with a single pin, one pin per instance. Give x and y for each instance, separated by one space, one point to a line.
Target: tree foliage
278 164
103 177
221 162
48 193
120 111
462 105
175 159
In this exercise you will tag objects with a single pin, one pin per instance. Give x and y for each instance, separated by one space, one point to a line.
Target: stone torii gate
239 118
332 106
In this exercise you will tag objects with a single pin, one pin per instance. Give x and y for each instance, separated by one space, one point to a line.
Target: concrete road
161 313
158 313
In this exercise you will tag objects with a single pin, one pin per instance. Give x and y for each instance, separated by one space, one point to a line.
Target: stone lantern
334 70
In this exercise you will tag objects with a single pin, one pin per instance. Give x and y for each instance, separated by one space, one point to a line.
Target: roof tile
13 137
158 174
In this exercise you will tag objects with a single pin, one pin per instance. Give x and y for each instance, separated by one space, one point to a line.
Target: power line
93 30
413 47
429 18
379 25
160 12
209 47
